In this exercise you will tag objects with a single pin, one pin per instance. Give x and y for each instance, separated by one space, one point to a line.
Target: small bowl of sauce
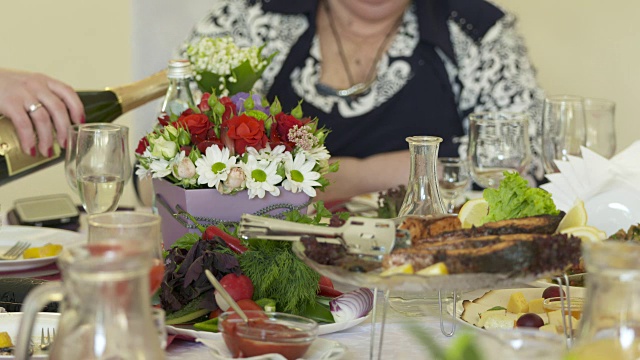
267 333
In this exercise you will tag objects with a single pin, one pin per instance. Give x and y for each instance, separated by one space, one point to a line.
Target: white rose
235 180
164 148
185 169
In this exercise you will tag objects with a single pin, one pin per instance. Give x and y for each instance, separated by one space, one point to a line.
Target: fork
15 251
45 342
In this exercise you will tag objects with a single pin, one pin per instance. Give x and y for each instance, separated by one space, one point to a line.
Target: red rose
229 108
284 123
246 131
204 102
142 145
196 124
275 140
164 120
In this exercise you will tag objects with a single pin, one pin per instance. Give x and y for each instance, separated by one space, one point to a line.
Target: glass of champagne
121 230
102 166
563 129
601 129
453 178
498 142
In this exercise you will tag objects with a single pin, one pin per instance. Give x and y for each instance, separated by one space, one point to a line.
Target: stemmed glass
601 130
498 142
102 166
453 178
563 129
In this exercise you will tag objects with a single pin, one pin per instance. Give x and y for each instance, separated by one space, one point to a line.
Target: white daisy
317 154
160 167
267 153
214 166
300 175
261 177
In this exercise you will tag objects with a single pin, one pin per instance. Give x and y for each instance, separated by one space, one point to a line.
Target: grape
552 291
530 320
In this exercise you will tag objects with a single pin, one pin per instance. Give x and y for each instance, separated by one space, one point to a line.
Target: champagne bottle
99 106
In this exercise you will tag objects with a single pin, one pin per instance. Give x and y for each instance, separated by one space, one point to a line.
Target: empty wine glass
102 166
498 142
563 129
601 130
453 178
70 156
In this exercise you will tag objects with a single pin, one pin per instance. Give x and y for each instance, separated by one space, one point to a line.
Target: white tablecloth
399 340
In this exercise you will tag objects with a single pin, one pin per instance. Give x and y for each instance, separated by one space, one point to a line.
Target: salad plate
10 322
321 349
36 236
323 329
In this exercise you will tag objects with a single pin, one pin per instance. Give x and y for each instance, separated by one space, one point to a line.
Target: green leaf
497 308
186 241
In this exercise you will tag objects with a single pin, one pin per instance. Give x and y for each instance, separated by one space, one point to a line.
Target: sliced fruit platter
258 274
507 236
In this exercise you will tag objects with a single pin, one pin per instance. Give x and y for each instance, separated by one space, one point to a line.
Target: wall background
582 47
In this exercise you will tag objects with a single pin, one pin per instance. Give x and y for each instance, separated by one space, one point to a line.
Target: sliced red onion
351 305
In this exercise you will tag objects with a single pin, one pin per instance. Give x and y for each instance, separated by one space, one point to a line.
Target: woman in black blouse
377 71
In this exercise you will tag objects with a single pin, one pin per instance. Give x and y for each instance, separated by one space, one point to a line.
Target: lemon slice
5 340
402 269
43 251
586 233
576 216
472 212
435 269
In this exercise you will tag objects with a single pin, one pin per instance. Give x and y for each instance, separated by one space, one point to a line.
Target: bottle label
16 160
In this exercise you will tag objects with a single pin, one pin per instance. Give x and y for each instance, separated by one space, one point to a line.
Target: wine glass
129 230
102 166
453 179
70 156
601 130
563 129
498 142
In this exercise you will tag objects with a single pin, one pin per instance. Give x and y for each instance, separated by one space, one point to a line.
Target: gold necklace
356 88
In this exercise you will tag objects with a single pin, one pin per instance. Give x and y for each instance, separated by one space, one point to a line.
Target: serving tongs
359 235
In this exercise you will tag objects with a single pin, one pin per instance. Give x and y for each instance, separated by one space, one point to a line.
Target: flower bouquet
240 146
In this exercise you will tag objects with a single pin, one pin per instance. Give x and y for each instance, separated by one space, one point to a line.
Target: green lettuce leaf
515 199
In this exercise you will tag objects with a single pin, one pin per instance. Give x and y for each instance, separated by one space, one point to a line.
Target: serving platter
468 310
323 329
412 282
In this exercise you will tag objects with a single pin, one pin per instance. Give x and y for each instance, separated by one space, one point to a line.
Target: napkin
610 188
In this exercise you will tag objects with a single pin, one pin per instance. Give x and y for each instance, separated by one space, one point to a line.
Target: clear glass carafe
423 196
422 199
105 306
610 323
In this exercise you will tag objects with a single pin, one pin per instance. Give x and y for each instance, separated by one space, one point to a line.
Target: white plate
321 349
36 236
613 210
10 322
323 329
468 310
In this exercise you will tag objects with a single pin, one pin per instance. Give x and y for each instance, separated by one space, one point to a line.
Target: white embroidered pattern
494 74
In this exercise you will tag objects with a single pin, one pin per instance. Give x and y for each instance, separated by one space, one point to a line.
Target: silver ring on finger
34 107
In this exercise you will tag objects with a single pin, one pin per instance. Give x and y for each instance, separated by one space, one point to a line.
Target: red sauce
261 336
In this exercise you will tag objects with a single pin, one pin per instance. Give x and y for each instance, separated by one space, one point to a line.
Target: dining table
402 336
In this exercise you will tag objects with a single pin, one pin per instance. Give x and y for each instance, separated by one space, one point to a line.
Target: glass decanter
423 195
422 199
610 323
105 306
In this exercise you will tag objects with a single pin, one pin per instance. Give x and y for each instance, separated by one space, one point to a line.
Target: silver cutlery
45 342
15 251
359 235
